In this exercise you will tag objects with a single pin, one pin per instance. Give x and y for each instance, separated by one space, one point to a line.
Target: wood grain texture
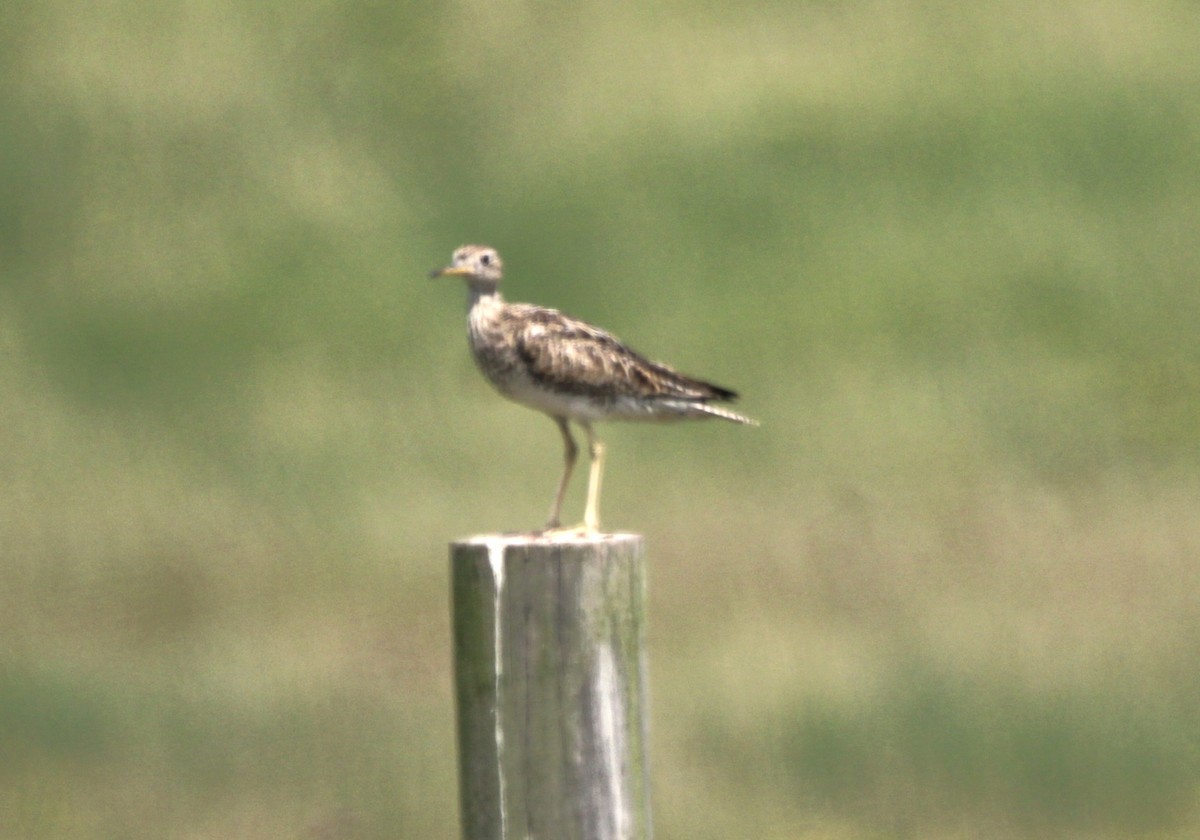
550 681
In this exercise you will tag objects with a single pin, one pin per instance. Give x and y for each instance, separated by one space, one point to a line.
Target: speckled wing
571 356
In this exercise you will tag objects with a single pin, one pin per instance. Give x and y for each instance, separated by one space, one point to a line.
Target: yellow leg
570 451
591 514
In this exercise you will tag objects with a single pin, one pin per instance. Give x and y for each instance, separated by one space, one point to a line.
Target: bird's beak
449 271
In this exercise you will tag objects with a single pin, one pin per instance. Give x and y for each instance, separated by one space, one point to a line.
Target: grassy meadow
948 253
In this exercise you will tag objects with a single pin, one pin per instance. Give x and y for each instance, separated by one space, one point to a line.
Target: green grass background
948 252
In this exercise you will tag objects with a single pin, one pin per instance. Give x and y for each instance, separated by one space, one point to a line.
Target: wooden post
550 677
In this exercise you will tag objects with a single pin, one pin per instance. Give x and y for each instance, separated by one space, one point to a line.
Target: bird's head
479 264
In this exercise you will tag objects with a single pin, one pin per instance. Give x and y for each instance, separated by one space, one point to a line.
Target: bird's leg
570 451
591 514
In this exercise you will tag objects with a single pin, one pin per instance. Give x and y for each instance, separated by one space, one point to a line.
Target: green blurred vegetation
948 252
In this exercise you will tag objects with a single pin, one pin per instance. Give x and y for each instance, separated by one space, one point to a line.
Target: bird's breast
493 347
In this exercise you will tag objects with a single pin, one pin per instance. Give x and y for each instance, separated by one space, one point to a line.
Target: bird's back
569 368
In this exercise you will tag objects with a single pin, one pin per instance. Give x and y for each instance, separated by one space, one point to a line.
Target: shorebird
571 371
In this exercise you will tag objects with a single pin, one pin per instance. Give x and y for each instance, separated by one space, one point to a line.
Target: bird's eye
485 259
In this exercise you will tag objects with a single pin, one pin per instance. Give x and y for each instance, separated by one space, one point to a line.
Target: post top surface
549 538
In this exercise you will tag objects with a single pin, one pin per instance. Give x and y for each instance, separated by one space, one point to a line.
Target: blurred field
948 253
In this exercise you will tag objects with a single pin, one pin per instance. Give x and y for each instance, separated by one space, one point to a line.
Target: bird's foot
583 529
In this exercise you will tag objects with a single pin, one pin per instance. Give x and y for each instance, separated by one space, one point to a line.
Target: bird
571 371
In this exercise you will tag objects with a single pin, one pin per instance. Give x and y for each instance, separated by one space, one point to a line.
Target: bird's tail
723 413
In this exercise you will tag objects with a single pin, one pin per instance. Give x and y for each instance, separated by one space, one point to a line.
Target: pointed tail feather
723 413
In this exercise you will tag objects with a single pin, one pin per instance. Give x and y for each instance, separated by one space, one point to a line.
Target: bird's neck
481 296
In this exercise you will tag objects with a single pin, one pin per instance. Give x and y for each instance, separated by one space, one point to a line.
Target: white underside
589 409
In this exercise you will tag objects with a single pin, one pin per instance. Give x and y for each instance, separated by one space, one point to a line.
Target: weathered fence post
550 679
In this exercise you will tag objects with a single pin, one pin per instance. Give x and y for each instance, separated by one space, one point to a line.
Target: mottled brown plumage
571 370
